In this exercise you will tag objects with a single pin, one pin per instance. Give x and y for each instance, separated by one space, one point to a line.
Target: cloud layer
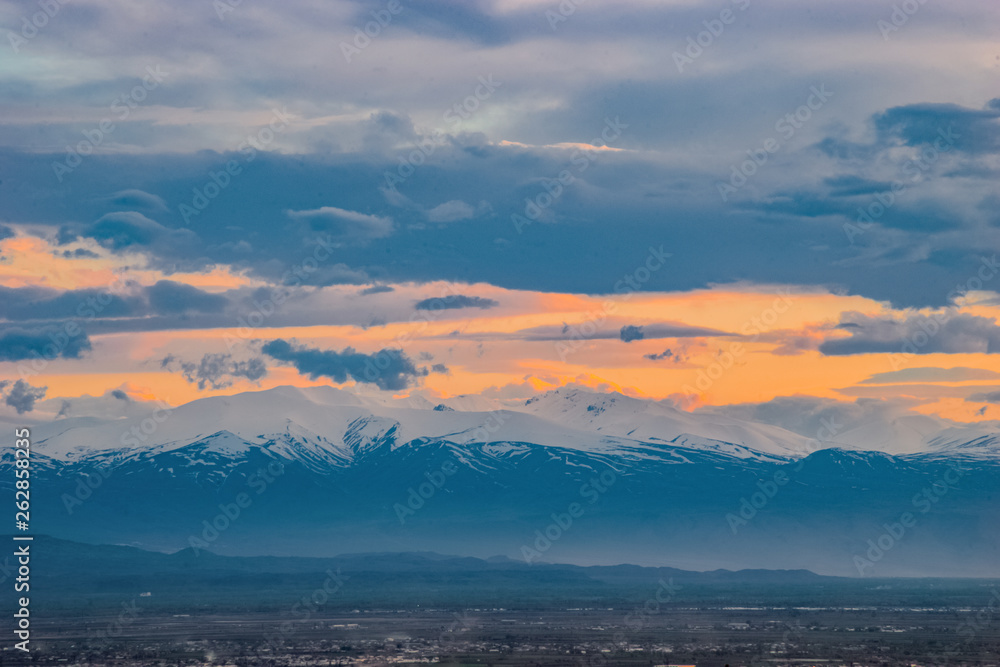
387 368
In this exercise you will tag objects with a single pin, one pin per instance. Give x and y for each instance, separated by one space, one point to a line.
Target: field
642 635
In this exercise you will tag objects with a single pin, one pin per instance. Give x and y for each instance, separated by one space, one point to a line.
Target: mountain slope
289 471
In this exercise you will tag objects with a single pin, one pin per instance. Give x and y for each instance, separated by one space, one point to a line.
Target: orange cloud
29 261
777 332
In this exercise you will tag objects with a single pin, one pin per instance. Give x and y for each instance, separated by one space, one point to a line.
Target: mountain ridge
570 418
315 471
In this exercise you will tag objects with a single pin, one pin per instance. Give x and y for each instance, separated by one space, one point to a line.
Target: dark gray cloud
851 185
924 125
656 330
630 332
167 296
969 130
376 289
242 232
908 214
668 354
387 368
455 301
119 394
79 253
984 397
217 371
36 303
51 342
124 229
133 199
22 396
929 374
344 224
591 331
917 334
170 248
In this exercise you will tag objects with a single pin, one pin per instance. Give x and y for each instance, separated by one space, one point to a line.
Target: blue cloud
50 342
167 296
388 369
456 301
22 396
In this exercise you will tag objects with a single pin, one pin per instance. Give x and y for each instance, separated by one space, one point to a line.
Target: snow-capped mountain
571 476
571 418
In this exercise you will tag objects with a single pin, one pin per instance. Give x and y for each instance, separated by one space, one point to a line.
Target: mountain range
571 476
70 576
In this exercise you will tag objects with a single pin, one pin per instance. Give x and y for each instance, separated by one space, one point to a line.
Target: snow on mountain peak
337 425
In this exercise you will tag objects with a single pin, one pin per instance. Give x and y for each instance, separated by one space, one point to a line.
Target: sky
722 204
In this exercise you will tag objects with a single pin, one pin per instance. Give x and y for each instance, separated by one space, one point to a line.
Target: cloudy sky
716 202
